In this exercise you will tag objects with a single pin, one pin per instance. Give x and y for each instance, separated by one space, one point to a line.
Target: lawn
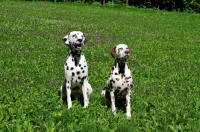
165 64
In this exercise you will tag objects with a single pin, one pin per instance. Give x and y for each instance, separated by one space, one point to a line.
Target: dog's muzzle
77 46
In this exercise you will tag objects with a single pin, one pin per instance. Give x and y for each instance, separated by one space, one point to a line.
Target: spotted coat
120 81
76 70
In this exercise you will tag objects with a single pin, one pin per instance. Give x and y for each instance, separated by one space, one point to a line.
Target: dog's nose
64 39
127 51
79 40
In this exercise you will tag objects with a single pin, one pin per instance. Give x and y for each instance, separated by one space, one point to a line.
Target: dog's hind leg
63 91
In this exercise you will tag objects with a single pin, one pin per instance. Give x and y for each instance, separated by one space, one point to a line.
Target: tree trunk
103 3
126 4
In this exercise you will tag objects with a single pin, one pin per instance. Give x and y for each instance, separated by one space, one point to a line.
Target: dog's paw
103 93
128 115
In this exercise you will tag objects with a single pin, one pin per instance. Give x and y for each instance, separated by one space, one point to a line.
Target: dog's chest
120 81
76 73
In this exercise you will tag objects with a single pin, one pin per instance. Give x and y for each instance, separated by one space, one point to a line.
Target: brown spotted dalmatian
76 70
120 81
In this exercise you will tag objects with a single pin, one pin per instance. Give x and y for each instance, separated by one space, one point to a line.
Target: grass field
165 64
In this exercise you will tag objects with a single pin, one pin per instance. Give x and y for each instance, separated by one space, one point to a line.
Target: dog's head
75 40
120 51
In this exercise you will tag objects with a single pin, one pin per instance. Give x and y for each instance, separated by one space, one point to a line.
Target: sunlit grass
165 66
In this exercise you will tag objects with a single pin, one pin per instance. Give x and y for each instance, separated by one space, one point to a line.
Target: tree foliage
170 5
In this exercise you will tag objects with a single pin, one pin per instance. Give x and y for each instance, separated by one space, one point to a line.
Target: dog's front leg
85 97
89 91
68 92
128 103
112 97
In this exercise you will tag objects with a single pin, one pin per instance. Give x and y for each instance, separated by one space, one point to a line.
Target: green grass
165 64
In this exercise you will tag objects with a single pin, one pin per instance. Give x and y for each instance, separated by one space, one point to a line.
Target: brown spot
113 97
117 79
122 75
127 78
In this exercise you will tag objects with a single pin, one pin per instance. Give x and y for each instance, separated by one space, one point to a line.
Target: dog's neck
121 65
76 54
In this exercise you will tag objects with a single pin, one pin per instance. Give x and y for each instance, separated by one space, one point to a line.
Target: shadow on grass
78 97
120 101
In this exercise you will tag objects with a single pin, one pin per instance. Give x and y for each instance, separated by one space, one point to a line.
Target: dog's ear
66 39
113 53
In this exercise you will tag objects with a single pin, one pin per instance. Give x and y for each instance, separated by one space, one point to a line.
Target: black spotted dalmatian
120 81
76 70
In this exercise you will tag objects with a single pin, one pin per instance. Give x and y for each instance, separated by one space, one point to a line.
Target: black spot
81 68
67 81
78 72
73 60
113 68
85 66
83 71
79 77
79 65
112 81
67 87
67 68
66 64
72 68
83 78
73 74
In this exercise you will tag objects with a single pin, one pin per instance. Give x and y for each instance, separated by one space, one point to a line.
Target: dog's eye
120 48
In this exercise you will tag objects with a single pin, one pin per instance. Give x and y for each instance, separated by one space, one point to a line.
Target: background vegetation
165 65
170 5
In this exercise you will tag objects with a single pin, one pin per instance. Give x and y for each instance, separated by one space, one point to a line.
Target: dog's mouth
127 55
78 46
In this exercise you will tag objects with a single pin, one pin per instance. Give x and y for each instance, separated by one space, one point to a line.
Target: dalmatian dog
120 81
76 70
